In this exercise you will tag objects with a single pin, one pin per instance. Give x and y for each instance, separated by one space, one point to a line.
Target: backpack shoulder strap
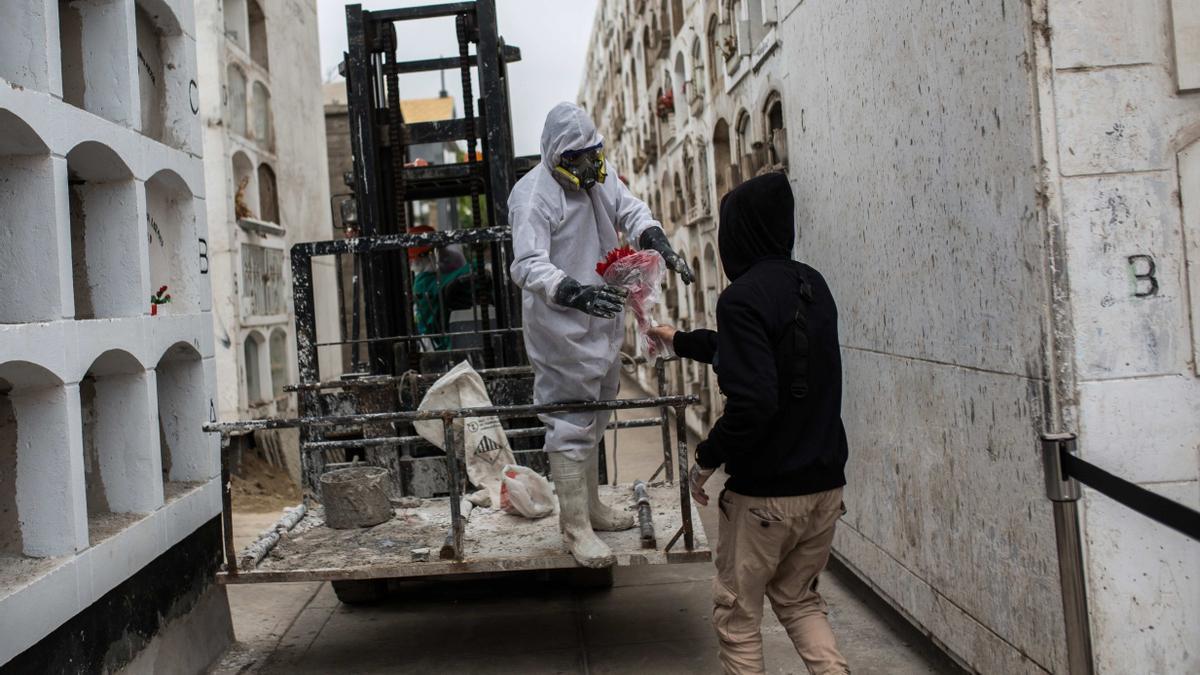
800 344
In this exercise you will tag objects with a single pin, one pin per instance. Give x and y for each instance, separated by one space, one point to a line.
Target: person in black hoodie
780 438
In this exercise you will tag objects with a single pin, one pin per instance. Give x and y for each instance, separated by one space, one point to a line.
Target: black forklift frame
385 185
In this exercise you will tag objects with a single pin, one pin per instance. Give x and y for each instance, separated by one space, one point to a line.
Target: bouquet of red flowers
640 273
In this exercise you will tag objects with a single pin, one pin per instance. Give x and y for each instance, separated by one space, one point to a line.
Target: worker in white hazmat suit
565 217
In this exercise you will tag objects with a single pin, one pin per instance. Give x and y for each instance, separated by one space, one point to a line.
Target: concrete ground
653 620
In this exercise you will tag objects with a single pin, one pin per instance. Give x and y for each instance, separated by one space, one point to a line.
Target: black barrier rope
1153 506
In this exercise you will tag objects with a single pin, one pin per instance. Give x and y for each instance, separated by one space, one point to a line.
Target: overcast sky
552 35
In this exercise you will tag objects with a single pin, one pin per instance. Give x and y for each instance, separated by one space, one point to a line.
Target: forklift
402 337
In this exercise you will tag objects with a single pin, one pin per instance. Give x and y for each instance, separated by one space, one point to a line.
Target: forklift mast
387 185
386 300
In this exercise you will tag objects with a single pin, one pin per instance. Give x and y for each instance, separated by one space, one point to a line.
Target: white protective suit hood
567 127
557 234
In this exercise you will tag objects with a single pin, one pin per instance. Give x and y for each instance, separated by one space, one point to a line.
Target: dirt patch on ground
259 487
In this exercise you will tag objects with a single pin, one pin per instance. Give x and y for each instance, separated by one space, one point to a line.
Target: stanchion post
1063 492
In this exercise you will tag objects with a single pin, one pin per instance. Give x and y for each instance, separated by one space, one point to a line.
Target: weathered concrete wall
1121 140
947 158
911 132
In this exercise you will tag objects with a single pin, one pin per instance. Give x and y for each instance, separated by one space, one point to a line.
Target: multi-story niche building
268 189
687 96
109 488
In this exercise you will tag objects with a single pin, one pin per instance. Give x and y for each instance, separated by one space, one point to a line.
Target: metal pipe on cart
615 426
382 243
661 466
474 264
443 316
411 377
398 142
422 336
660 368
463 31
498 152
685 503
339 267
405 441
644 514
363 128
308 361
448 550
231 567
456 526
501 411
356 301
255 552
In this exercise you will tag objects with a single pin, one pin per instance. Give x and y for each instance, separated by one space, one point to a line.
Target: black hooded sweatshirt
772 442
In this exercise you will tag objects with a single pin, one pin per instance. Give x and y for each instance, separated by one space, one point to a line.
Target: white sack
486 445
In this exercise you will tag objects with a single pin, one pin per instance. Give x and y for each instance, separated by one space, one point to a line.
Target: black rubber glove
655 238
602 300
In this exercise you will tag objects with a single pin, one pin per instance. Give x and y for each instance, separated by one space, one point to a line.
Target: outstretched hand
664 333
697 477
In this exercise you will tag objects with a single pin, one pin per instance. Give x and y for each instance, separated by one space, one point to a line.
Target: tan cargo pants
775 546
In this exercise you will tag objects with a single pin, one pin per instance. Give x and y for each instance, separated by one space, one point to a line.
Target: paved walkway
654 619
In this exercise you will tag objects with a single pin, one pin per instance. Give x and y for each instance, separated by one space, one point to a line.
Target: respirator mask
581 169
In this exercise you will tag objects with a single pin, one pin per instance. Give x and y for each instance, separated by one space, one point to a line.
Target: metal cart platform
445 535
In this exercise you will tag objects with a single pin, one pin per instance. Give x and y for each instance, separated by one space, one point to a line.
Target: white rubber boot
604 517
571 484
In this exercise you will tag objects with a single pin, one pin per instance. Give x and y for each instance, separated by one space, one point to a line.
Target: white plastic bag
524 492
485 443
641 273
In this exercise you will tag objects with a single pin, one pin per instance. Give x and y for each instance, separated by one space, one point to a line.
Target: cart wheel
586 578
360 591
